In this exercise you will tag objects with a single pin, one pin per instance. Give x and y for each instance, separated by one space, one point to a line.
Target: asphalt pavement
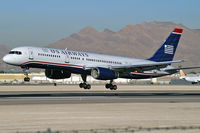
79 97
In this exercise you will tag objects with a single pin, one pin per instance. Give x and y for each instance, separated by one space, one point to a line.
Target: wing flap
144 67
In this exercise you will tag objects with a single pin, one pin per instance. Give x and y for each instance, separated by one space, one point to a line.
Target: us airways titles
74 53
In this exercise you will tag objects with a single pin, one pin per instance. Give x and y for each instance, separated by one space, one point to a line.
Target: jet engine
103 73
57 74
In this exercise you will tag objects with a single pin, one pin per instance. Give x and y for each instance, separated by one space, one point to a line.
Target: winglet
177 31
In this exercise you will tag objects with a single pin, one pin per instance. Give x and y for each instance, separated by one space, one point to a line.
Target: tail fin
167 50
182 74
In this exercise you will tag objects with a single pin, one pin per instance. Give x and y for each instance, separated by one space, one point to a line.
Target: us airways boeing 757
60 64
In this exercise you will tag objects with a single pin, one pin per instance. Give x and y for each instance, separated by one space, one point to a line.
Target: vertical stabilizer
167 50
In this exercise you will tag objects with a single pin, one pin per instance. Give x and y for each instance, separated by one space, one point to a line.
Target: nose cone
6 59
12 59
9 59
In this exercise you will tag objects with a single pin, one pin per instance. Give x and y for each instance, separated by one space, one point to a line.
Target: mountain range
139 41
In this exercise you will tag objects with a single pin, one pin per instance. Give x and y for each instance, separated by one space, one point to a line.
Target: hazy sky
40 22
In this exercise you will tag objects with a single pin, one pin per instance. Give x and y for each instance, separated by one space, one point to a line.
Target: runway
63 108
88 97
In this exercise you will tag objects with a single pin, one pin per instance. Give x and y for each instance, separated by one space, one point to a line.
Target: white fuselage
192 79
74 61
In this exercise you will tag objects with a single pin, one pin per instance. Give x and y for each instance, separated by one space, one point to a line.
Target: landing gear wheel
114 87
26 79
111 86
89 86
108 86
25 71
81 85
85 86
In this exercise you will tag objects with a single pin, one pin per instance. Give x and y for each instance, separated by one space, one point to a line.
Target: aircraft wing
138 67
144 67
180 68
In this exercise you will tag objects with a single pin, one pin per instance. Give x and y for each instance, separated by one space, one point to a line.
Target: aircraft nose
8 59
5 59
12 59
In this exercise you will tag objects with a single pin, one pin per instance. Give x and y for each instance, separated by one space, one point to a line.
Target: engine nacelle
57 74
103 73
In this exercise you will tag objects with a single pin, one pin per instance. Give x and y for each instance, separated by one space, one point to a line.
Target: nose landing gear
27 79
25 71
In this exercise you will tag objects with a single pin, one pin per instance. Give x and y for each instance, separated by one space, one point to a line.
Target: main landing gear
111 86
84 85
25 71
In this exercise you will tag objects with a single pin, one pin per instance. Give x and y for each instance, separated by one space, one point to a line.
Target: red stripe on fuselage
71 65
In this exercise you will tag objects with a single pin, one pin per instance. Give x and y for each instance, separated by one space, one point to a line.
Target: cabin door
30 51
67 59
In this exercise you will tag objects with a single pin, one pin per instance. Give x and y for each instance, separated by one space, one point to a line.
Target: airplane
60 64
194 80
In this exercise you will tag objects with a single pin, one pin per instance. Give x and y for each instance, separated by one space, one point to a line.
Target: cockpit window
15 52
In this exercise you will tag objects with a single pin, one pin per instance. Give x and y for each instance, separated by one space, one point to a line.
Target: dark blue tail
167 50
